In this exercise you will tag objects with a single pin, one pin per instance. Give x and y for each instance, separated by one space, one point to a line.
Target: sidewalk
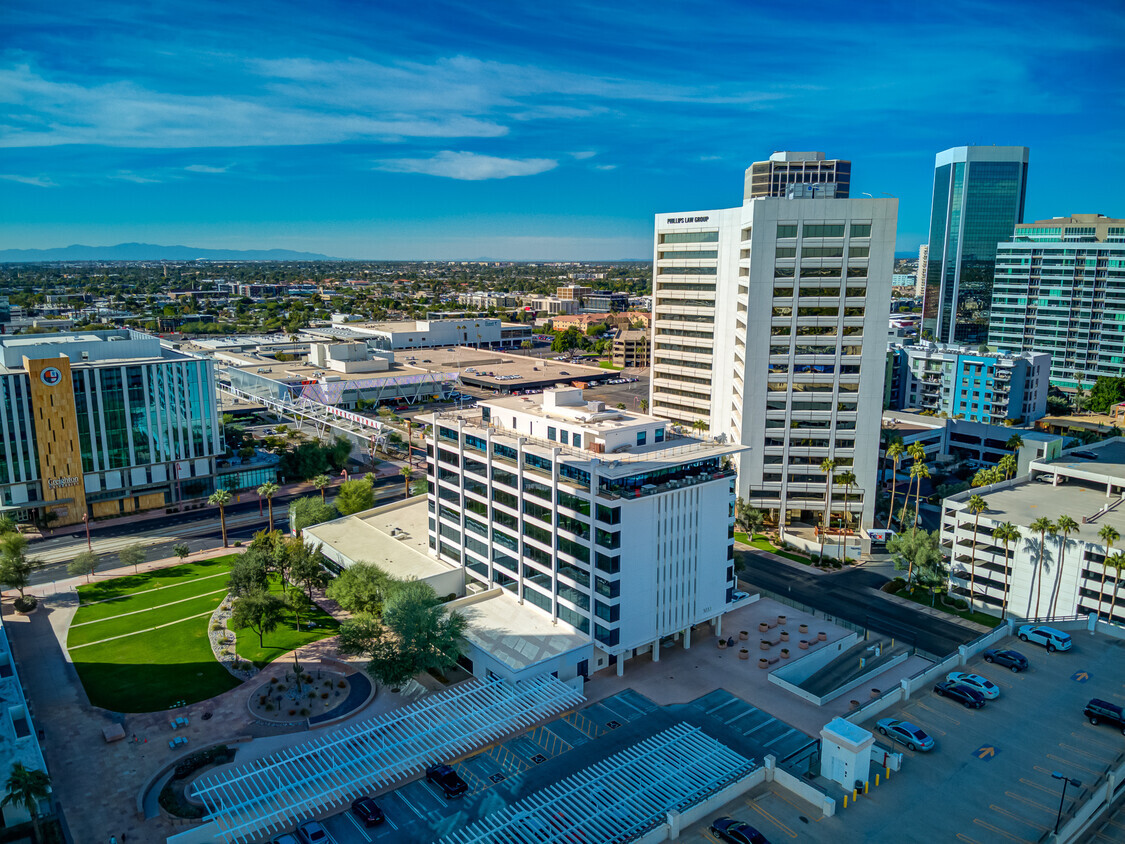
934 611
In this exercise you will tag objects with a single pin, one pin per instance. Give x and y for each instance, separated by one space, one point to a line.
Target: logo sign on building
59 483
50 375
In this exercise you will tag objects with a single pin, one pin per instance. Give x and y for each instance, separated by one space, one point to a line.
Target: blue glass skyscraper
978 200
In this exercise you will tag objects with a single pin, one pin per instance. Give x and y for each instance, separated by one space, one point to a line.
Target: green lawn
923 597
608 364
285 638
151 669
763 544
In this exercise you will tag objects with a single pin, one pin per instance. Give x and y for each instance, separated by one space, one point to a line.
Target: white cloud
130 176
605 166
469 166
35 181
588 153
206 168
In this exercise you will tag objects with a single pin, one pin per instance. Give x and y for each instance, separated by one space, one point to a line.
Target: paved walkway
100 785
933 611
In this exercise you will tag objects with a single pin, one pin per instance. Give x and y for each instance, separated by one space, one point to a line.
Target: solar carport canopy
277 791
620 798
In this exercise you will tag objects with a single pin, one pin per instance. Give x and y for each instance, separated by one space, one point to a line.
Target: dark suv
447 779
1101 710
1006 657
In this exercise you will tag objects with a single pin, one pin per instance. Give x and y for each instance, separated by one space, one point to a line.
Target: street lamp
1065 781
86 521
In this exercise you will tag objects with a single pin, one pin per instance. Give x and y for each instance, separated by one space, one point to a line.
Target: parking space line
1029 802
1073 764
1079 750
939 714
1000 831
409 805
1003 683
770 817
1053 792
710 836
781 796
355 823
1096 740
922 722
963 837
441 800
1000 810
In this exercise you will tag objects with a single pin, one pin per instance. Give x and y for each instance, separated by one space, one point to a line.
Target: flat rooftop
304 371
1024 503
517 635
367 536
1107 463
499 371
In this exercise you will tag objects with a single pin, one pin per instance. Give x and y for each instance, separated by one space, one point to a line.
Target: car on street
969 698
311 832
974 681
905 733
448 780
368 811
737 832
1102 711
1048 637
1007 658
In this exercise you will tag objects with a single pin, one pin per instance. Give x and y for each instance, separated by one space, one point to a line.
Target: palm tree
1006 533
1108 535
983 477
406 472
267 491
919 470
1116 561
1042 526
221 498
1014 444
1066 526
699 425
828 466
976 506
894 451
321 482
847 480
1008 465
27 788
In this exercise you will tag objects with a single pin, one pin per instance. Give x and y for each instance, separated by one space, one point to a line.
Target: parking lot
988 779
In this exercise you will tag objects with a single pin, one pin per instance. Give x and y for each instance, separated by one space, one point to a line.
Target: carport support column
717 623
687 639
621 665
656 651
672 819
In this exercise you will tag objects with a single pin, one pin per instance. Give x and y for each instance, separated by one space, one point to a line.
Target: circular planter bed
25 604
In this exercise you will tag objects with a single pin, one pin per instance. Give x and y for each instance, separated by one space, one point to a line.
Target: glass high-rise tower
978 200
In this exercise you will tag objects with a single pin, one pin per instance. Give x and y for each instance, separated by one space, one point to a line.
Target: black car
1007 658
1099 711
368 811
970 698
737 832
447 779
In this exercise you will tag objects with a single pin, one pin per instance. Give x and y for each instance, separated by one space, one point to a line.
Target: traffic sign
985 752
1080 676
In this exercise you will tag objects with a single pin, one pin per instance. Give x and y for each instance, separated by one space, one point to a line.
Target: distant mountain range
152 252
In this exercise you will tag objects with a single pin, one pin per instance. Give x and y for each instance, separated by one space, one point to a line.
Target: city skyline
468 132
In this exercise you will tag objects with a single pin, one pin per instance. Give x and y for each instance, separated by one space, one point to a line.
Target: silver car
974 681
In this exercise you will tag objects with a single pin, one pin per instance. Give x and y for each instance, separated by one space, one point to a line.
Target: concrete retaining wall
789 677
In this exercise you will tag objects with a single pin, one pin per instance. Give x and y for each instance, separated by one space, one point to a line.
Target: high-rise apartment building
770 327
100 423
978 199
806 173
603 519
1060 289
920 274
965 384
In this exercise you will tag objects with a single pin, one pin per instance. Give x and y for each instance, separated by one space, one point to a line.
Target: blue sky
519 130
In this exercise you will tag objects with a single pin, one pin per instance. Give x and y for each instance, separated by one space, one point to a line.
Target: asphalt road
198 529
847 595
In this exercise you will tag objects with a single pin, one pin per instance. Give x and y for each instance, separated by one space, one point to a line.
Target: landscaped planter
804 628
743 653
822 636
763 663
722 643
743 635
763 627
785 653
781 619
764 645
785 635
803 644
875 693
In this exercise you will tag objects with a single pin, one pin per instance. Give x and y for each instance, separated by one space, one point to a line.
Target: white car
1048 637
974 681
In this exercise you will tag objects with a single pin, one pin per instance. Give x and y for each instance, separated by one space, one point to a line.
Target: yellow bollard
866 783
876 780
845 801
888 769
855 794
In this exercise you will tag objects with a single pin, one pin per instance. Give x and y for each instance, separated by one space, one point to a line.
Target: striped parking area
768 733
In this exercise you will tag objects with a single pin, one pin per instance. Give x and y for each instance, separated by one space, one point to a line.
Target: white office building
769 327
603 521
1067 576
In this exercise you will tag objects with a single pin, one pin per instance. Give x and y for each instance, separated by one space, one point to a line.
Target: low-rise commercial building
1042 573
631 349
481 332
963 383
103 422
